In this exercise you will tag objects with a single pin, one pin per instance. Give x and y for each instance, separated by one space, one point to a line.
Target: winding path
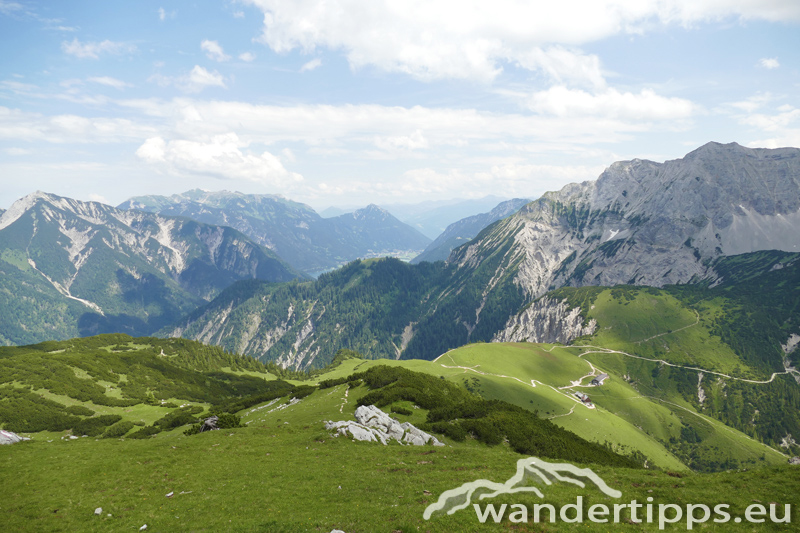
601 350
533 383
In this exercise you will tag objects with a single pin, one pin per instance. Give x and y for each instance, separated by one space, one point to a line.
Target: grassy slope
655 324
76 374
274 476
623 416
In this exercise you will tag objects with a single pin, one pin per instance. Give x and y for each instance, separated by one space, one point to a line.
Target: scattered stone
794 461
98 511
169 495
143 528
9 437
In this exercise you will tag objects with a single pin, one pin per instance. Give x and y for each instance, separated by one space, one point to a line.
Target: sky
343 102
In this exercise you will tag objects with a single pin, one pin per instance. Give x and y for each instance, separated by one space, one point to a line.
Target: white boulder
9 437
373 425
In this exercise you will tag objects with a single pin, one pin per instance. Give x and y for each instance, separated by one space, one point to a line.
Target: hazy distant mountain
74 268
293 230
466 229
432 217
333 211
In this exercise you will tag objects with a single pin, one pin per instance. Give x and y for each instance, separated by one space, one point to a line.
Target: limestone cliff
546 320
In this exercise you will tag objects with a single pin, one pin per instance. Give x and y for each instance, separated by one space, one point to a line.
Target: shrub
118 430
144 433
94 426
303 391
401 410
79 410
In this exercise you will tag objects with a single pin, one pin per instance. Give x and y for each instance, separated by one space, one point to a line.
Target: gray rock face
373 425
648 223
9 437
546 320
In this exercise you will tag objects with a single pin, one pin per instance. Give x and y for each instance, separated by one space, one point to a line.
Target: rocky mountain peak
371 211
643 222
23 205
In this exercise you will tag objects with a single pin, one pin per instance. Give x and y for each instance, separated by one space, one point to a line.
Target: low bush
95 426
144 433
118 430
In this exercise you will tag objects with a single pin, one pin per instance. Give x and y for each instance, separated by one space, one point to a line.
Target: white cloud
17 151
288 155
10 7
643 106
247 56
94 197
214 51
508 179
63 129
222 157
164 15
311 65
19 87
93 50
110 82
200 78
360 128
769 63
414 141
564 65
784 118
438 39
195 81
238 14
776 123
753 103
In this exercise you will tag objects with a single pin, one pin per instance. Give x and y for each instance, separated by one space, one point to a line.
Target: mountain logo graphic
530 471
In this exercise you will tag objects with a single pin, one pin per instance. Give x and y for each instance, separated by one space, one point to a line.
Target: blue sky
340 102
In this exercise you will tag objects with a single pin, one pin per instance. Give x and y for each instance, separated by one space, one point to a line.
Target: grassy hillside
544 378
115 385
283 472
693 347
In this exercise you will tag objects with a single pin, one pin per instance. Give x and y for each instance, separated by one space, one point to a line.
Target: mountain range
294 231
640 223
74 268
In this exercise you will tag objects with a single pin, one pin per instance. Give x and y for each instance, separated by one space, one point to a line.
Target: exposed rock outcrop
373 425
9 437
546 320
